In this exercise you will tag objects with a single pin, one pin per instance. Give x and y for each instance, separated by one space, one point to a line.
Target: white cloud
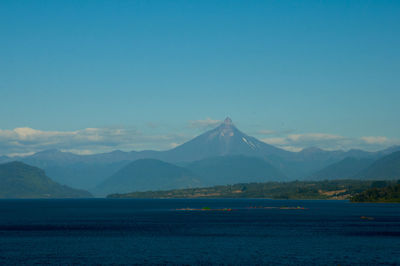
291 148
375 140
204 124
20 154
296 142
275 141
313 137
77 151
25 140
174 145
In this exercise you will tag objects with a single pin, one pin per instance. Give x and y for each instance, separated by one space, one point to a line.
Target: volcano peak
228 121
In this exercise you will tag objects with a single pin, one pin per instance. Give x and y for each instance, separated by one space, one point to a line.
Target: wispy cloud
25 140
292 148
296 142
204 124
174 145
375 140
275 141
314 137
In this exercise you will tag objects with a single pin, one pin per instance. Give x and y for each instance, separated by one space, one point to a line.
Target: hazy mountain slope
343 169
387 167
388 151
84 175
4 159
19 180
147 174
234 169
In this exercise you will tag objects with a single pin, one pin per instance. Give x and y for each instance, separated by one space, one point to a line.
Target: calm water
100 231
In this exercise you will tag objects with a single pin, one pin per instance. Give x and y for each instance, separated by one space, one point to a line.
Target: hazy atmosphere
96 76
199 132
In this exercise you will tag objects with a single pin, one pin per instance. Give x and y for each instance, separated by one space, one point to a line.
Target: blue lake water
130 231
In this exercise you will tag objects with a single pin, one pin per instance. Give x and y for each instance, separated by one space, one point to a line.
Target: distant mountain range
384 168
19 180
387 167
84 172
344 169
223 155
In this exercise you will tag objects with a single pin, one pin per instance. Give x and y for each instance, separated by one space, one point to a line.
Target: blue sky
292 73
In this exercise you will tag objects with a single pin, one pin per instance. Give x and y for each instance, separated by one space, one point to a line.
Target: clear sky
91 76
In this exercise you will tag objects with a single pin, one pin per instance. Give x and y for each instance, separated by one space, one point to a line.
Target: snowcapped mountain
224 140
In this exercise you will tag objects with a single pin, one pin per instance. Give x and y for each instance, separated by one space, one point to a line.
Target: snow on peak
249 143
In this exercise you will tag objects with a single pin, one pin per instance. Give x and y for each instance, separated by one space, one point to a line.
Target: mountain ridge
344 169
19 180
87 171
387 167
